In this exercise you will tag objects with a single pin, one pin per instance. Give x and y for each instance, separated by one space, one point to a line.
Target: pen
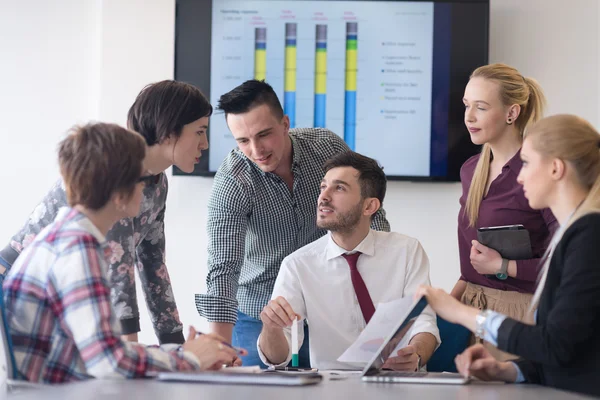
295 342
239 351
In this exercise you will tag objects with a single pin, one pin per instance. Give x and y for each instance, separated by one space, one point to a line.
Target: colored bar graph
289 89
260 54
350 95
320 76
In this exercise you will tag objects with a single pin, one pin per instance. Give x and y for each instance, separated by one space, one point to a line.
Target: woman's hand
478 362
442 303
210 350
485 260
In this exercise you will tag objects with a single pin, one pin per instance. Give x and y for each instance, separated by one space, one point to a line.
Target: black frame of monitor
190 58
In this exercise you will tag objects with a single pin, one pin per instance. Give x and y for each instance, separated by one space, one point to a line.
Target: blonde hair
576 142
514 89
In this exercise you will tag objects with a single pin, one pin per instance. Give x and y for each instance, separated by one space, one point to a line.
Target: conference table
349 388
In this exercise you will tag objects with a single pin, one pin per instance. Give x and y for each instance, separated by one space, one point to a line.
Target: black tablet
511 241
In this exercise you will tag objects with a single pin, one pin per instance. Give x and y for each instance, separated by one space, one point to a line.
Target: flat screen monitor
386 76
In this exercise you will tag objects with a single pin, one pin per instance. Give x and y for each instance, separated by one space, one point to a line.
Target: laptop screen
390 343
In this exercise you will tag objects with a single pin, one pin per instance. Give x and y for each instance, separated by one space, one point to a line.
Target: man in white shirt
336 281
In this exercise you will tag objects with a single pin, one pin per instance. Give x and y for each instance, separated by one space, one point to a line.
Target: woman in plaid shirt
57 293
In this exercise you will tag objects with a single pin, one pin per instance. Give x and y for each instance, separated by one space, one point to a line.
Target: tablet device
511 241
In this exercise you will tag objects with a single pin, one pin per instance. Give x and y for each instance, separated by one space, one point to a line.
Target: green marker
295 342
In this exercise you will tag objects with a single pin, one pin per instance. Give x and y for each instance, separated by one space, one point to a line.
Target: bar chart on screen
359 69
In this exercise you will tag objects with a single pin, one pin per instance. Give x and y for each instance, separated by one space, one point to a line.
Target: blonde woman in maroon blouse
499 106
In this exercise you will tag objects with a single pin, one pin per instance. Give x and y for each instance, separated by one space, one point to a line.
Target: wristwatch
419 366
503 273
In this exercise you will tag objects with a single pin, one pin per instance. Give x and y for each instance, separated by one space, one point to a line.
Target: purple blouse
504 204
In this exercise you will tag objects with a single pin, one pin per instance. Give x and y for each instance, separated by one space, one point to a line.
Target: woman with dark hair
173 119
57 296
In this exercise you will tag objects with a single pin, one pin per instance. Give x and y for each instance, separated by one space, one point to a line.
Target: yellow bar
260 64
351 69
290 69
321 72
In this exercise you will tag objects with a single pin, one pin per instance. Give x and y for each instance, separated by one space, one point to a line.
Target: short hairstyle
371 177
162 109
98 159
248 95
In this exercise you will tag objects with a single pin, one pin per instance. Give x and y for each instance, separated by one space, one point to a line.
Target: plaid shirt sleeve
79 292
228 210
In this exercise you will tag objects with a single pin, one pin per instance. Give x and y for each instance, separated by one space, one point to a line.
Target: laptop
374 371
11 380
230 376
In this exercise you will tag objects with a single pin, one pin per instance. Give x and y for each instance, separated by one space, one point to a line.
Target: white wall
556 42
49 78
107 50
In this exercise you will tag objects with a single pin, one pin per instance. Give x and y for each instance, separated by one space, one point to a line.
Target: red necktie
362 294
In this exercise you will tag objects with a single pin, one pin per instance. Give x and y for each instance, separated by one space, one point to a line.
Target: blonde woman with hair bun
500 104
561 171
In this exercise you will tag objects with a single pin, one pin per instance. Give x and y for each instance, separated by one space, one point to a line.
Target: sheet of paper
386 318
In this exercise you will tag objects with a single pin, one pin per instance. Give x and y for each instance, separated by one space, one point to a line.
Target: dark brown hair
162 109
248 95
371 178
97 160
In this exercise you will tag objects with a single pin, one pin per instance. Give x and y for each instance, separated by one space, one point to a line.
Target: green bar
294 360
351 44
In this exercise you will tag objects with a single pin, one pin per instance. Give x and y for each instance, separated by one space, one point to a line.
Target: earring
509 121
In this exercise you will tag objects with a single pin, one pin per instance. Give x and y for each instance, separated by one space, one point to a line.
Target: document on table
386 318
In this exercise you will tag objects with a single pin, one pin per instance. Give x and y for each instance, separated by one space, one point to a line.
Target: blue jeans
245 334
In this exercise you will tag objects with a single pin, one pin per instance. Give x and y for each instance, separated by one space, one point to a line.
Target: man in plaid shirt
57 296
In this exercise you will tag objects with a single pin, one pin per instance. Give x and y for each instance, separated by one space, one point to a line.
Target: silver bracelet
480 323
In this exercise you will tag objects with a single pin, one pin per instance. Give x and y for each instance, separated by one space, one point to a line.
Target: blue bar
290 42
321 45
319 120
260 45
350 119
351 37
289 107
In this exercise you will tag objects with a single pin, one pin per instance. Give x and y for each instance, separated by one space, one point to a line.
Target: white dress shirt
316 281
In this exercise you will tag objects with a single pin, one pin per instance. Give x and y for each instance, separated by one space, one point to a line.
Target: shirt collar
367 246
515 163
295 152
70 215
